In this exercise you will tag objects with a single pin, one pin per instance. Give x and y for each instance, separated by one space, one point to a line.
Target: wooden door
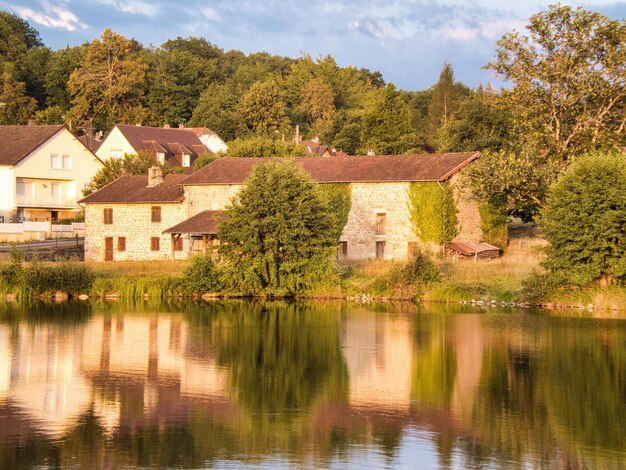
108 249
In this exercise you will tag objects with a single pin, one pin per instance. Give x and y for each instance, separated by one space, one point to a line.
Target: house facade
167 146
125 220
379 222
43 170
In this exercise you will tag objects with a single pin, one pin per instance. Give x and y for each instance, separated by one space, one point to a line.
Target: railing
30 201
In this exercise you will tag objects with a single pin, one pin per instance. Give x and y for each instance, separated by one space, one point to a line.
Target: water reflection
316 384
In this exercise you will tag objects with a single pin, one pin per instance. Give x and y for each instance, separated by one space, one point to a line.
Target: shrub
433 212
493 223
540 287
12 277
201 276
585 221
70 278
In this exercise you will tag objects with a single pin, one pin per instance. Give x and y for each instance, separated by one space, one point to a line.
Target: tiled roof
200 130
16 142
205 222
344 169
91 143
134 189
137 136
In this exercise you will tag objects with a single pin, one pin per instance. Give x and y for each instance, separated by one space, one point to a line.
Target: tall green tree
130 164
387 126
585 220
447 96
60 66
259 146
569 80
109 85
15 106
318 107
278 234
218 109
263 109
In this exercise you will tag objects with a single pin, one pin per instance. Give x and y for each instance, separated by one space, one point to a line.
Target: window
121 243
107 216
186 160
155 215
178 244
60 162
55 162
342 250
380 250
381 221
155 243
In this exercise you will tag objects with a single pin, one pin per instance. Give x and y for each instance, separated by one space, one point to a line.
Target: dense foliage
585 220
493 223
264 147
279 235
433 212
130 164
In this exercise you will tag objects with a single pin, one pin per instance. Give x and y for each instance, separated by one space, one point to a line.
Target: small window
155 243
121 243
342 250
67 162
178 244
381 221
108 216
55 162
155 215
186 160
380 250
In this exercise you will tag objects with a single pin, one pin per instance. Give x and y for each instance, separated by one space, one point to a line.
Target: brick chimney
155 176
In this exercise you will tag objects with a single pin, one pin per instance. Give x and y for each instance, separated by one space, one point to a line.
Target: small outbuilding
461 250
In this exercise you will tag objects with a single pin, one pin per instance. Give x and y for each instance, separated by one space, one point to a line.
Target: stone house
167 146
43 170
125 220
379 223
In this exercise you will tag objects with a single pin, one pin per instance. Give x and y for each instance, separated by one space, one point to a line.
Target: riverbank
488 282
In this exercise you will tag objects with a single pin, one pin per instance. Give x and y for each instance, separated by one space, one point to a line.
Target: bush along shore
488 284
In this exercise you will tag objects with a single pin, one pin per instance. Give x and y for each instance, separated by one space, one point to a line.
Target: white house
42 172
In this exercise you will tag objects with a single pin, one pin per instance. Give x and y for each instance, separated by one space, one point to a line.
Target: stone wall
133 222
209 197
469 230
368 200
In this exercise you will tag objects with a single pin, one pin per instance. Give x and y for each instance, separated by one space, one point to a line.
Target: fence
27 231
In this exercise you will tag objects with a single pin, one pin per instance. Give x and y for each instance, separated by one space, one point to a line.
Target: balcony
46 202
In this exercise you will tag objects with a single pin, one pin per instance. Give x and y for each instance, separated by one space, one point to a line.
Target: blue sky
407 40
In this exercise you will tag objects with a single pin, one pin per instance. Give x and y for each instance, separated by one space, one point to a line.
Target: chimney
371 153
297 137
166 126
316 139
137 124
155 176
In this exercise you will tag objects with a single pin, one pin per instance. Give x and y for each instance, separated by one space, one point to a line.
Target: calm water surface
309 385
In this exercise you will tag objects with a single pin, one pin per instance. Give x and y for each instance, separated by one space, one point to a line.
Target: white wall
7 191
114 141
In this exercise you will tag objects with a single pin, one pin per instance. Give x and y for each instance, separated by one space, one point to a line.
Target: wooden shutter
155 243
107 216
156 214
121 243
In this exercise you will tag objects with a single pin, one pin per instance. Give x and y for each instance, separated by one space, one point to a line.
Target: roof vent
155 176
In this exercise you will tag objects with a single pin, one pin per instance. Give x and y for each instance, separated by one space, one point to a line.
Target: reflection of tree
282 359
434 363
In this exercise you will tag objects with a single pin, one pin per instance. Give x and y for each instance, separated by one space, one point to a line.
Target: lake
308 385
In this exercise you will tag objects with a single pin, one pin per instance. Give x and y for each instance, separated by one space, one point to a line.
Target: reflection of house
379 223
42 171
167 146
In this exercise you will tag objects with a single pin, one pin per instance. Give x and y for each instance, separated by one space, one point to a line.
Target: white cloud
134 7
53 16
210 13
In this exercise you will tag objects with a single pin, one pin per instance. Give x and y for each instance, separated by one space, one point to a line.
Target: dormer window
161 158
186 160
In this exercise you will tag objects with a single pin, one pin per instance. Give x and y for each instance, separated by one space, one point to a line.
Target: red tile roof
135 190
344 169
205 222
139 136
17 142
91 143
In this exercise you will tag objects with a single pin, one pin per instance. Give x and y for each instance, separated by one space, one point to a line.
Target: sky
408 41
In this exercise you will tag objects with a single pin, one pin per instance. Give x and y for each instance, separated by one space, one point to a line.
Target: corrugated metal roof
470 249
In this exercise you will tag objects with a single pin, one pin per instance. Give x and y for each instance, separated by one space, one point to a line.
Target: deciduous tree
15 106
569 80
263 109
278 234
